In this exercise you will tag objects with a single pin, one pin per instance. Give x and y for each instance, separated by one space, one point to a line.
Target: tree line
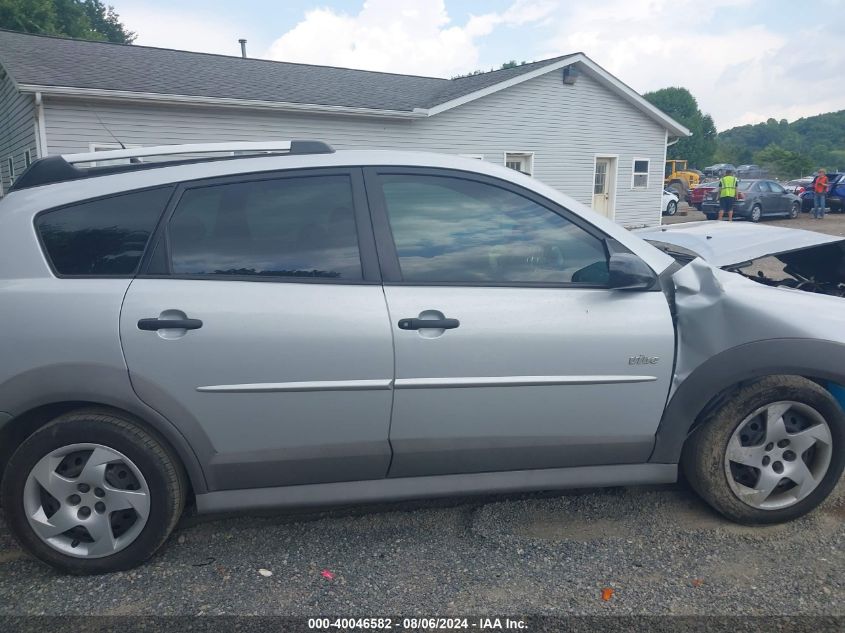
787 150
81 19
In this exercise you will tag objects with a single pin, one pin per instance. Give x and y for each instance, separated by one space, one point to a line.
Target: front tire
93 492
794 210
770 453
671 208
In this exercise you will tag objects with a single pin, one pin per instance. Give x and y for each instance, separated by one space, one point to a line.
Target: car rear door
279 361
529 360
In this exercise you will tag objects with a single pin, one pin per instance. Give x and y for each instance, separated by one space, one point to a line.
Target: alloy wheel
778 455
86 500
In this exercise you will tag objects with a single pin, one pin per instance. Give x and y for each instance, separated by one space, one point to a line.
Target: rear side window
288 227
105 237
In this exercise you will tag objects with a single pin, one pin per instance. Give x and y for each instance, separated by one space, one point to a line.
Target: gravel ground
659 549
833 223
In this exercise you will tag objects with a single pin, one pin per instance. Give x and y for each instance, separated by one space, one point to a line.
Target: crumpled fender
731 329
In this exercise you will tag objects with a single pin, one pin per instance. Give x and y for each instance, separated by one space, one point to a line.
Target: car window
288 227
455 230
746 185
104 237
775 187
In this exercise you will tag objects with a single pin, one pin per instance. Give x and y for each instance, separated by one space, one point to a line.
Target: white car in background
670 202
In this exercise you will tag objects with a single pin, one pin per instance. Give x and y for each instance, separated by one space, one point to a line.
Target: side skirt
378 490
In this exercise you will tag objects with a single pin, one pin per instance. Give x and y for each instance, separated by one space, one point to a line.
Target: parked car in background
756 199
718 170
697 194
799 185
670 202
835 193
751 172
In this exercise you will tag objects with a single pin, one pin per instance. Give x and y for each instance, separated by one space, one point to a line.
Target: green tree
679 104
83 19
783 163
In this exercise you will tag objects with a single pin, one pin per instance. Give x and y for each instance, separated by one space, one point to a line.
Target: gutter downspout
41 128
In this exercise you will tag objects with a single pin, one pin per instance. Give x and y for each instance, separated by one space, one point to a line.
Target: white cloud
408 36
739 71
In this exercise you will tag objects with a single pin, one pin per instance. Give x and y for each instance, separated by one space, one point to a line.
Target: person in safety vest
819 190
727 194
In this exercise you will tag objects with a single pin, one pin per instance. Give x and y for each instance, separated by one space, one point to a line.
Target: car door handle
152 325
425 324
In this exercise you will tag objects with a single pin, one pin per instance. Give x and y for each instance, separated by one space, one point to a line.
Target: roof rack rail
53 169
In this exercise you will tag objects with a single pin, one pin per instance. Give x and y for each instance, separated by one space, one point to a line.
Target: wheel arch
19 427
719 376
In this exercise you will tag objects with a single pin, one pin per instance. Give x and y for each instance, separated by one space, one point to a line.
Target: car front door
780 200
279 359
511 352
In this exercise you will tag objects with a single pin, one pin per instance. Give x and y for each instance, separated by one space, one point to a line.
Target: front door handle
153 325
424 324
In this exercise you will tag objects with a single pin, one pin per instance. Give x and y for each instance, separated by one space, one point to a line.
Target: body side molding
383 490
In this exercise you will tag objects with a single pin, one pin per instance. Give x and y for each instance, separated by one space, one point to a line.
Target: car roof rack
64 168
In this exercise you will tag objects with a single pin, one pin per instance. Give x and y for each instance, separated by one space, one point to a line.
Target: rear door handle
434 324
153 325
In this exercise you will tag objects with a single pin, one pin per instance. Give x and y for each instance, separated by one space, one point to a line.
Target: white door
601 187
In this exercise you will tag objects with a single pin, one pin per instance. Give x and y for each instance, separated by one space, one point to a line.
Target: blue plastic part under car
838 392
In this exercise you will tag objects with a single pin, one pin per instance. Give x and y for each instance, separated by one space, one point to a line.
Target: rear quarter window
105 237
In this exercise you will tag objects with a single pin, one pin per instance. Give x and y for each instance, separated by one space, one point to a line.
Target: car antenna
106 128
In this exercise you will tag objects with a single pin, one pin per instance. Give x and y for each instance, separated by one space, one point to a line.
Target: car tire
726 433
756 213
711 216
794 210
119 508
671 208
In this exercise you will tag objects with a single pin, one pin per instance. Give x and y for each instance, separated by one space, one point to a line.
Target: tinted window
291 227
775 187
102 237
745 185
455 230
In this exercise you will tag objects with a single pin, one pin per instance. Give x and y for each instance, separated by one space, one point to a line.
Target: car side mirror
626 271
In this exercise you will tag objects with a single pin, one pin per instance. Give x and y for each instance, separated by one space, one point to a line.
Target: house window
27 158
520 161
640 178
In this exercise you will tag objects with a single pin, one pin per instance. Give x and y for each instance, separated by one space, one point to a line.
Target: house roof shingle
54 61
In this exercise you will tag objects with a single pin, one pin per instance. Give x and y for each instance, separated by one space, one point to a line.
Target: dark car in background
751 172
718 170
756 199
835 193
799 185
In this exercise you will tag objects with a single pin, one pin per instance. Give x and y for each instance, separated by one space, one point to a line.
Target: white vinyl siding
17 130
565 126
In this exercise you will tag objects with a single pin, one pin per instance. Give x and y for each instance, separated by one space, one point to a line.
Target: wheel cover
778 455
756 213
86 500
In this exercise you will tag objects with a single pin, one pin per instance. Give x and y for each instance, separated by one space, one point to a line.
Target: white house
565 120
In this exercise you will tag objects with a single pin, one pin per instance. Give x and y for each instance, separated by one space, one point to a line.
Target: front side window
289 227
462 231
105 237
640 180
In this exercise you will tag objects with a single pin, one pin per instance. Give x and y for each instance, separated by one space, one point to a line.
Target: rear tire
116 485
708 456
756 213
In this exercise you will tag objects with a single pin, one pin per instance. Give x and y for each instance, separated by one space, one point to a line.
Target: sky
744 60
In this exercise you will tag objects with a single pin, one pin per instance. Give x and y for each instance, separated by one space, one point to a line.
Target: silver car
245 326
